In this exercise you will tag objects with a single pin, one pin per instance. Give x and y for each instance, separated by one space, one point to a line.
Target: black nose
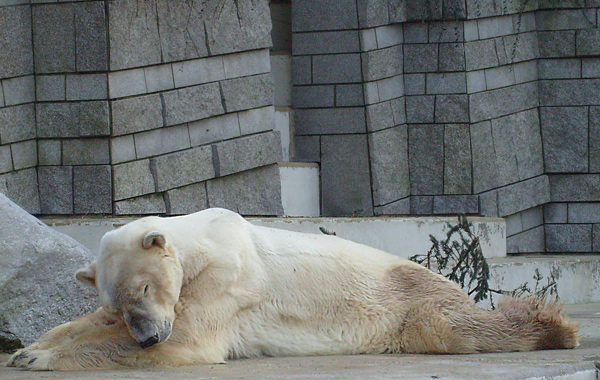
149 342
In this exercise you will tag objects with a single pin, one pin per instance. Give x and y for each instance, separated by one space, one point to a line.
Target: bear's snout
150 341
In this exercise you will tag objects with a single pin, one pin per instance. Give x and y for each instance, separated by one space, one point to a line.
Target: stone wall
141 107
478 107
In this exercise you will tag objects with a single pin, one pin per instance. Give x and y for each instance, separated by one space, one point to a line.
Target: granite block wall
137 107
478 107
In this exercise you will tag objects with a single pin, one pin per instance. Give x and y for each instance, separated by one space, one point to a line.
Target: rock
38 289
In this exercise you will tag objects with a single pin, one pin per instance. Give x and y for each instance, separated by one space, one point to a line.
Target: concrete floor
577 364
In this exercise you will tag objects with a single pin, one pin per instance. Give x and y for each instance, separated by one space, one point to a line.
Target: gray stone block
92 189
454 10
566 19
15 35
54 38
91 151
447 31
514 224
254 192
520 47
533 217
505 157
455 204
531 241
590 68
480 55
400 207
426 155
200 102
424 10
122 149
248 153
388 35
302 70
575 187
421 205
50 88
484 157
91 47
471 30
557 44
390 88
148 204
457 159
242 94
49 152
338 68
380 116
446 83
416 32
133 47
563 238
565 131
159 78
200 71
596 238
414 84
24 154
346 41
420 109
330 121
523 195
559 68
388 150
183 168
217 128
87 87
382 63
137 114
132 179
588 42
56 189
584 213
476 81
594 139
188 199
127 83
307 149
345 175
488 203
526 71
257 120
17 123
373 13
497 77
6 164
313 96
420 58
83 119
520 134
161 141
570 92
22 188
452 109
349 95
452 57
247 63
324 15
236 26
503 101
399 110
182 32
19 90
555 213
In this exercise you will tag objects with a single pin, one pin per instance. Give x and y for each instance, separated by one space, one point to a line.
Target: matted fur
230 289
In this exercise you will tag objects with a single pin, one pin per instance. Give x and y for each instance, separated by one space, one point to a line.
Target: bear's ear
87 275
154 239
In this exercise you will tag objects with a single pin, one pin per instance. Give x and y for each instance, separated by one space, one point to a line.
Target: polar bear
210 286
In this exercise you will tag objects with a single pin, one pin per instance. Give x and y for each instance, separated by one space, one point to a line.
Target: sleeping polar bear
210 286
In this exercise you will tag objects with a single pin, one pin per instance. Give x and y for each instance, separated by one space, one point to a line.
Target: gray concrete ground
576 364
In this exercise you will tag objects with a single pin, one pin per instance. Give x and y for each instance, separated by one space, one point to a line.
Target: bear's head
139 277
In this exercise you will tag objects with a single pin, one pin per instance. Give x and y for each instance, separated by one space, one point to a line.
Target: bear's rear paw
38 360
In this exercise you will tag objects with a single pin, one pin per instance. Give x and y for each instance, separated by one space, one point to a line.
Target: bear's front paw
38 360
